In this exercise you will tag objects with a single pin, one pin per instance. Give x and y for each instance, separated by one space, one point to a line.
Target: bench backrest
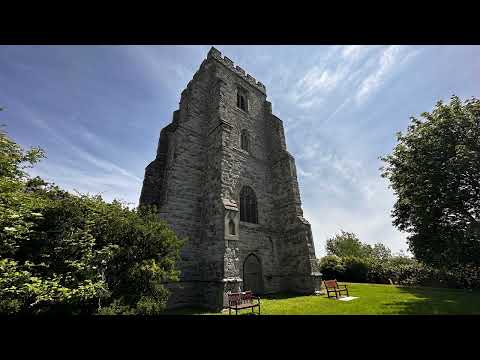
331 284
240 298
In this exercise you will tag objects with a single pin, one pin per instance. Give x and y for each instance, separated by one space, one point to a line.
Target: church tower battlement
223 178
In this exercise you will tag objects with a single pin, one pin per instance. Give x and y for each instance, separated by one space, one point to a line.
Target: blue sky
98 111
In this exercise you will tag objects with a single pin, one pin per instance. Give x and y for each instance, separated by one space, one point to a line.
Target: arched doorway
252 274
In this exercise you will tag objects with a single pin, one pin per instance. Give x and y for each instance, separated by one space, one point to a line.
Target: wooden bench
332 287
242 300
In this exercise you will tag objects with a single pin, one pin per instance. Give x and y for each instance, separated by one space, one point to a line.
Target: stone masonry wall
196 180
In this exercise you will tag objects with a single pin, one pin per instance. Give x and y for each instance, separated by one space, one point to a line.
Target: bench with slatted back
332 287
242 300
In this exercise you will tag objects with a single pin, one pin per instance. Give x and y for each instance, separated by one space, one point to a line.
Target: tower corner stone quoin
223 178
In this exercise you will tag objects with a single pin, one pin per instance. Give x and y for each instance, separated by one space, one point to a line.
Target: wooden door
252 274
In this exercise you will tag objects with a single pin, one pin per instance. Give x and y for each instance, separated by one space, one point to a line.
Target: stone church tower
223 178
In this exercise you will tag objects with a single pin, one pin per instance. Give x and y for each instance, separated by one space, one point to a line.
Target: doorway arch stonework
253 274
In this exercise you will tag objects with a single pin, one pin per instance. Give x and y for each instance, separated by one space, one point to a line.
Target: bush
380 267
116 308
400 270
332 267
356 269
73 254
379 272
465 277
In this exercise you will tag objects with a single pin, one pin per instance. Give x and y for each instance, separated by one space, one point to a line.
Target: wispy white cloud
389 62
319 80
337 110
310 151
85 181
353 51
159 70
102 164
303 173
331 73
370 220
321 162
97 161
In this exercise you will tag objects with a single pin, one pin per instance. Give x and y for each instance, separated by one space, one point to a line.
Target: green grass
373 299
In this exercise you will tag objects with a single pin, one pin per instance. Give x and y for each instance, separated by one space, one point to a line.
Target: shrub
378 272
466 276
67 253
116 308
399 269
332 267
356 269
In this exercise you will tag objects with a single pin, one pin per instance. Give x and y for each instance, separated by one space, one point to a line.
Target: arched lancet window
242 99
231 227
245 141
248 205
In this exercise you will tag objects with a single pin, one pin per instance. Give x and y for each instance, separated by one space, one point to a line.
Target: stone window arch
248 205
245 140
231 227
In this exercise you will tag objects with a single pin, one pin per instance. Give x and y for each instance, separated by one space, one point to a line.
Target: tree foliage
332 267
434 171
346 244
380 251
74 253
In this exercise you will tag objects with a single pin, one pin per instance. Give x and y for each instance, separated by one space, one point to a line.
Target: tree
380 252
16 203
347 244
332 267
62 252
434 171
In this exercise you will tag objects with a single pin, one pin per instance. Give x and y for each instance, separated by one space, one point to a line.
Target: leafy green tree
401 259
434 171
332 267
61 252
347 244
381 252
356 268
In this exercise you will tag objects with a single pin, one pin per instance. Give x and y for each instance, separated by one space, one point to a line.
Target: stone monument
223 179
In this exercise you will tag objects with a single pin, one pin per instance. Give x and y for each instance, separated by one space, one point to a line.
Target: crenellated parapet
217 55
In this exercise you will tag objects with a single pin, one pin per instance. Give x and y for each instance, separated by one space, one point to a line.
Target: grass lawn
373 299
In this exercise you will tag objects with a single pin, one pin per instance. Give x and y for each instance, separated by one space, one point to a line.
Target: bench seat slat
245 300
244 306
